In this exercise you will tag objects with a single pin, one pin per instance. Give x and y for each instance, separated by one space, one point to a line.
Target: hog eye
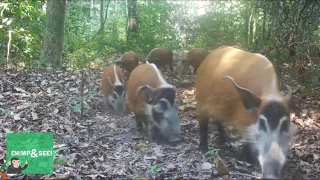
157 116
285 126
114 95
262 124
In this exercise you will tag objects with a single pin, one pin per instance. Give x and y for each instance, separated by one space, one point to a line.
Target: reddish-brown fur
152 100
108 72
147 76
241 88
195 57
218 97
129 61
161 57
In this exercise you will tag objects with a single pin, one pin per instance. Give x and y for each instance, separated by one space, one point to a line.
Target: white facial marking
162 80
274 97
263 117
280 122
276 153
116 79
261 160
265 122
148 109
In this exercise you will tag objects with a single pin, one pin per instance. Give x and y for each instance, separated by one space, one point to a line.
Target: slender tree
91 9
54 33
132 18
101 17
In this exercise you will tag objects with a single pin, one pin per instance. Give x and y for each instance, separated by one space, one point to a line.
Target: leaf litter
103 145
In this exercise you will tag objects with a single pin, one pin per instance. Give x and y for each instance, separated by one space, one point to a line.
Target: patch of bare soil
104 146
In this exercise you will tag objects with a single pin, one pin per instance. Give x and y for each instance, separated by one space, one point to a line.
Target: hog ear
250 101
149 91
289 98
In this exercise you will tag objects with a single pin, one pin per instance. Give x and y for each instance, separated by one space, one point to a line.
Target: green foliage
77 107
24 20
133 156
60 149
155 29
154 168
277 27
61 161
136 177
212 152
81 57
307 90
6 113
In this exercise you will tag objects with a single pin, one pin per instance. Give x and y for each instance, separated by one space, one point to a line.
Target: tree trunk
115 8
264 22
101 17
251 24
104 19
54 33
132 18
254 25
91 9
44 6
247 26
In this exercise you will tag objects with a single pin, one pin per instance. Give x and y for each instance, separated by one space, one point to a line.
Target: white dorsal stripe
266 122
162 80
151 52
274 96
166 86
116 79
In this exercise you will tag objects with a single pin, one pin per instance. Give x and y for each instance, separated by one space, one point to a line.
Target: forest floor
102 145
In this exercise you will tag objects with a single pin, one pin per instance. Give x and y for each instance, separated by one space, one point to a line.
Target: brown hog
241 88
129 61
195 57
113 88
161 57
152 100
